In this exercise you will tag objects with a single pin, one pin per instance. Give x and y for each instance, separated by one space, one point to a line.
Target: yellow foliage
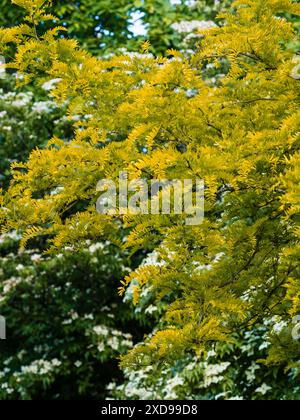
159 118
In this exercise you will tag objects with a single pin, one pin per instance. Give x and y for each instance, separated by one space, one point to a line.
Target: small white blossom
264 389
50 84
193 25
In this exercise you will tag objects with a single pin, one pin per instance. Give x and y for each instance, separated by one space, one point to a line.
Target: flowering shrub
65 323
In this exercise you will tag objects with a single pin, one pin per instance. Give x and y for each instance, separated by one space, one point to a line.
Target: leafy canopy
240 135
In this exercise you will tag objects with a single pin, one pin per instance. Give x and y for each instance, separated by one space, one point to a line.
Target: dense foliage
66 325
229 370
223 293
38 360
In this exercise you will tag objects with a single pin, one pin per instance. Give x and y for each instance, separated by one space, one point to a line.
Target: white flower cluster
15 99
96 247
187 27
112 338
51 84
171 384
133 54
41 367
7 388
154 260
278 324
212 373
43 107
10 284
101 330
135 387
72 316
251 372
263 390
13 236
25 99
37 368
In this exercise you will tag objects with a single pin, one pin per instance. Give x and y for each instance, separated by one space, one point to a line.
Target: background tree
65 324
102 26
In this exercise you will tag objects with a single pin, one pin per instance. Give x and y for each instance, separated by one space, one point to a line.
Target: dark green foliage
105 26
52 306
